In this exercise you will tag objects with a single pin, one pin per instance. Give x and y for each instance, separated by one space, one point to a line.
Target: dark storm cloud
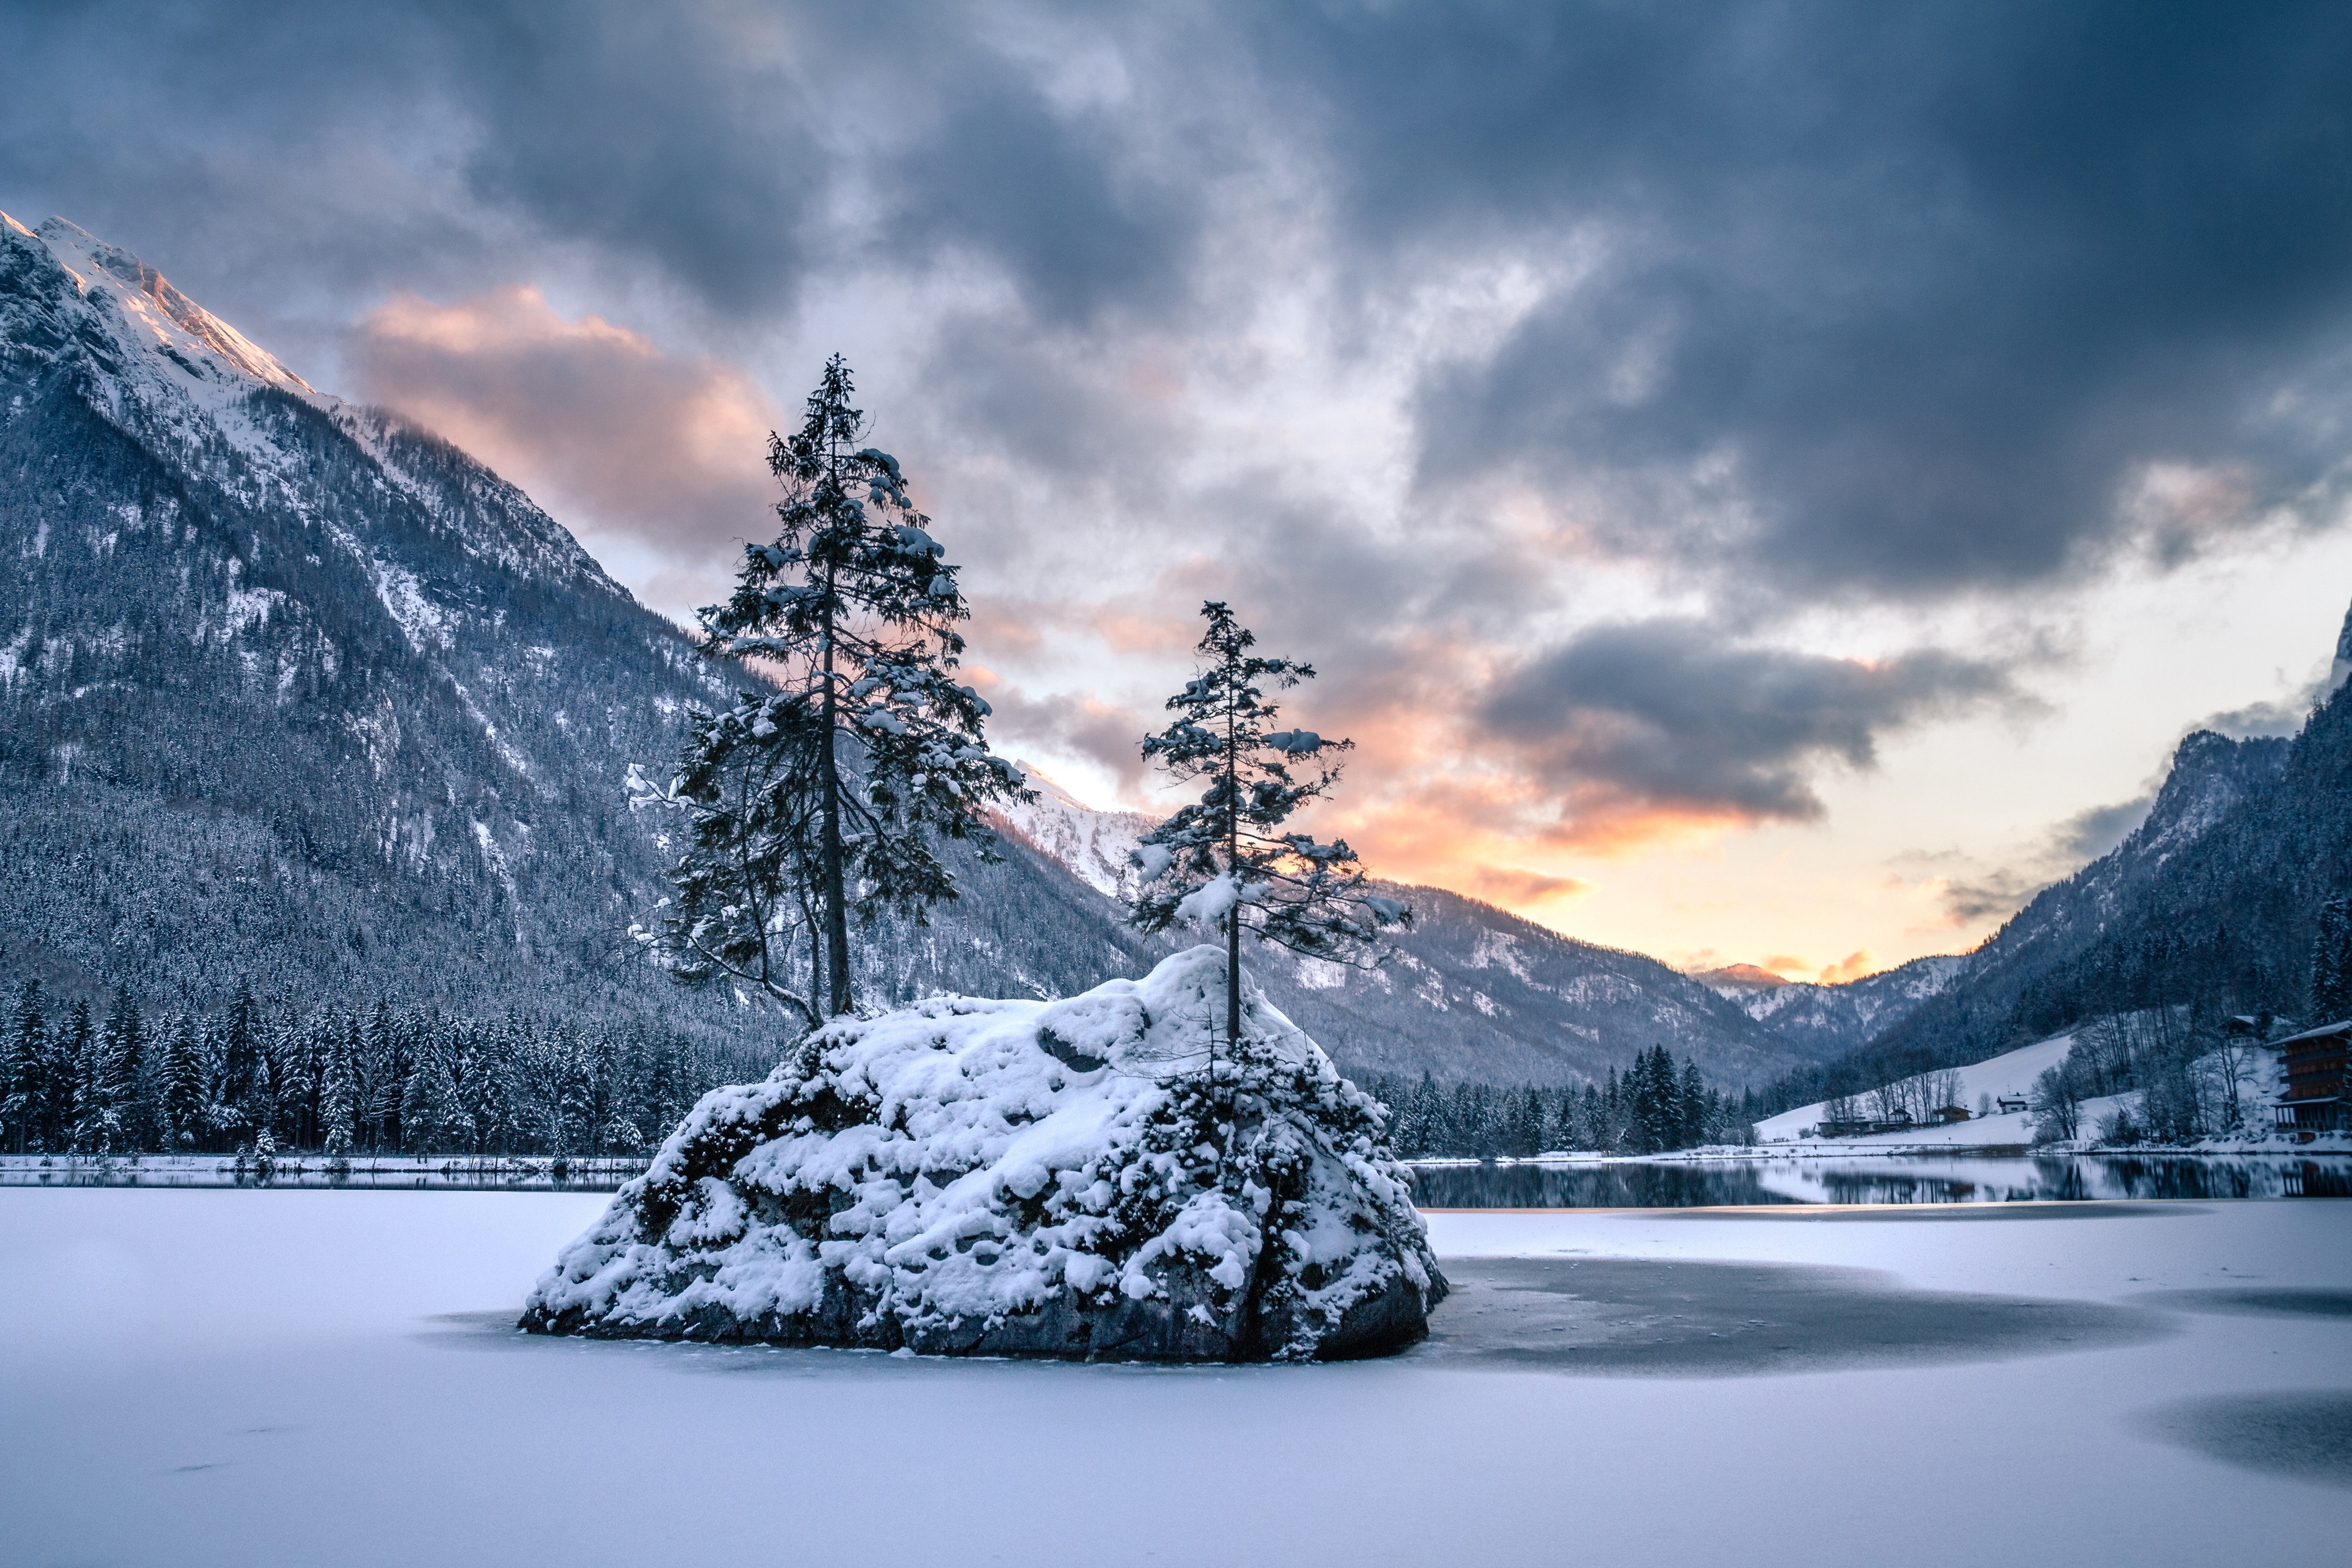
713 148
1890 300
1659 719
1923 282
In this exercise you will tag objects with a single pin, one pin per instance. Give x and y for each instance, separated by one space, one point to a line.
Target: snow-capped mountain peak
1094 846
180 329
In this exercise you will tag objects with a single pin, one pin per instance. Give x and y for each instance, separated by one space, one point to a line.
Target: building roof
2312 1037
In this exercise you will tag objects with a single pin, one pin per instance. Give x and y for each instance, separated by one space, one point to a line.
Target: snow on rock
1068 1179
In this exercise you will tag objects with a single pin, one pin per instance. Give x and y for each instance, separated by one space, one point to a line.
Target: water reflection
1884 1179
535 1175
1628 1183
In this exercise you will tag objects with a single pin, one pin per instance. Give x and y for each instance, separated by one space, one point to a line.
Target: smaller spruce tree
1226 859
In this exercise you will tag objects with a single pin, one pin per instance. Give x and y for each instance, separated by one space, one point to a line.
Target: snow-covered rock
1066 1179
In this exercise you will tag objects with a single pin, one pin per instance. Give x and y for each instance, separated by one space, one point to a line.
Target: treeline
1655 1106
2224 922
2192 1080
341 1081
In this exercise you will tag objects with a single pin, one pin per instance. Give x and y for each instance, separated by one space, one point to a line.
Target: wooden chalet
2316 1090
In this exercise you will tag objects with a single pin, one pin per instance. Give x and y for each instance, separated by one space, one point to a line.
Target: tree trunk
1232 915
836 911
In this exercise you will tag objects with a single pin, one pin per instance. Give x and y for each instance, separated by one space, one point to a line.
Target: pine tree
339 1098
1224 859
23 1081
239 1044
1692 1105
872 745
182 1110
425 1098
2331 964
81 1101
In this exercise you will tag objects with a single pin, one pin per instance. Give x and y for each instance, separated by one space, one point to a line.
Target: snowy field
311 1378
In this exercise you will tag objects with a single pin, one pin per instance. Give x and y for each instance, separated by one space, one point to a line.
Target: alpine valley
294 695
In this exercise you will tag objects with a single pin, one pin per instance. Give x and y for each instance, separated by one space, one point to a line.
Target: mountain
2212 902
1092 846
296 693
1739 980
1834 1019
1472 992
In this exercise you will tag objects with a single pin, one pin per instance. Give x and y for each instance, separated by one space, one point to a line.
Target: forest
264 1078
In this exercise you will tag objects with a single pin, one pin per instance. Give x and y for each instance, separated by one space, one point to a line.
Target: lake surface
1614 1184
534 1175
1879 1179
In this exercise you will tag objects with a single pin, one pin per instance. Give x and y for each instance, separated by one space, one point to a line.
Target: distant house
1948 1114
1862 1126
2315 1063
2011 1102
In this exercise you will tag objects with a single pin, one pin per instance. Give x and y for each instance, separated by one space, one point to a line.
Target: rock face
1066 1179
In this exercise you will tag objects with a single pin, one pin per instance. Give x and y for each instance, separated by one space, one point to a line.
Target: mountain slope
1472 992
296 693
2212 901
1833 1019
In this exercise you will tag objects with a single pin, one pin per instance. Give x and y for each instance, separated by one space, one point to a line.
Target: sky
1759 483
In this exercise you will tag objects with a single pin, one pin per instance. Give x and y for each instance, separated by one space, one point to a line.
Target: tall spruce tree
339 1096
181 1112
23 1063
1224 859
2331 964
819 799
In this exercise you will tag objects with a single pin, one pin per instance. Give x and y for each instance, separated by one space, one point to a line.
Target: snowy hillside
2007 1076
1093 846
306 697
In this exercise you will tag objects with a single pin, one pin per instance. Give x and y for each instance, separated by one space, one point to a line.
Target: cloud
661 450
1455 345
1634 722
1078 726
1517 888
1971 892
1896 301
1850 968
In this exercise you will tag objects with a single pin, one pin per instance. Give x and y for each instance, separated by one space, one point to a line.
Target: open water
1877 1179
1505 1184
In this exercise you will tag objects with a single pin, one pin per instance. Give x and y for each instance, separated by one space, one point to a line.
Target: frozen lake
301 1378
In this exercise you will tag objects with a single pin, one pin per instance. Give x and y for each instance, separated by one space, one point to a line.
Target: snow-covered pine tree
339 1096
1224 859
424 1098
875 746
22 1087
2331 964
182 1110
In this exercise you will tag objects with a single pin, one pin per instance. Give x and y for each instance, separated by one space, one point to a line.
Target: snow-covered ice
304 1378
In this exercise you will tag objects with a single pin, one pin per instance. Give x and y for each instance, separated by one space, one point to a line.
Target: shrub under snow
1023 1178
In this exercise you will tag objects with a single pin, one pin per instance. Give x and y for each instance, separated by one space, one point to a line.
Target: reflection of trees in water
2077 1178
1630 1185
2134 1178
1877 1187
1623 1186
